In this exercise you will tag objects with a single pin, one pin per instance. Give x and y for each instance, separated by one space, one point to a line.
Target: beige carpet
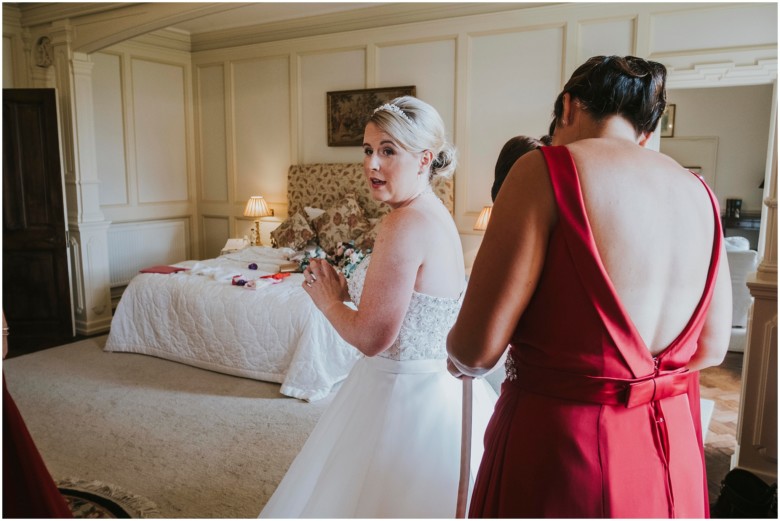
197 443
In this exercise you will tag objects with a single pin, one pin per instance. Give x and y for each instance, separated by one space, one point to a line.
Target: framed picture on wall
667 121
348 111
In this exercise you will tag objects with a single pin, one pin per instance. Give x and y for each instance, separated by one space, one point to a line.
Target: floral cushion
293 233
321 185
345 221
366 241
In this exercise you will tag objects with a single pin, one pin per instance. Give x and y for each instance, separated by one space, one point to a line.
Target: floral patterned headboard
320 185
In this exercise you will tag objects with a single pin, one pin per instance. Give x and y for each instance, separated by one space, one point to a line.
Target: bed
207 316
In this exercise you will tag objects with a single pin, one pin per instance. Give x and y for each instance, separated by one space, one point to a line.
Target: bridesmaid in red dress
28 489
601 269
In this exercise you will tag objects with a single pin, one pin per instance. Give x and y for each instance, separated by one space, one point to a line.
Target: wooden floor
721 384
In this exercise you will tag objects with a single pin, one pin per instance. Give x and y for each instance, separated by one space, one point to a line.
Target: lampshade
256 207
484 217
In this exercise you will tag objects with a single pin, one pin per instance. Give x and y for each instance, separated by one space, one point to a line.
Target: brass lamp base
256 234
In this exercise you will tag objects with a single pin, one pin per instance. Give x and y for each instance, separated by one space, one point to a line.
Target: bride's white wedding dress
389 444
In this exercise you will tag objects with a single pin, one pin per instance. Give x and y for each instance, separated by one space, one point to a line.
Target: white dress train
388 446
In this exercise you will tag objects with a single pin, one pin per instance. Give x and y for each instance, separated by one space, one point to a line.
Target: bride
389 443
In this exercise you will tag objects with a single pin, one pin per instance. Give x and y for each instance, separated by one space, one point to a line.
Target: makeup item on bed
162 269
290 267
277 276
234 245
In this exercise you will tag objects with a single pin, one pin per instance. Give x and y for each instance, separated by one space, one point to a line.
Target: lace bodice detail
423 333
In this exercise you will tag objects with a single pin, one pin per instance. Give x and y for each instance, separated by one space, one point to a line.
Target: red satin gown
589 423
28 489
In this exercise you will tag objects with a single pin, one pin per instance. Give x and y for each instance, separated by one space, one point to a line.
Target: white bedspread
197 317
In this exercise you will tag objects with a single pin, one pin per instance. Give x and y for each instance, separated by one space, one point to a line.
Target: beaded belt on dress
389 365
594 389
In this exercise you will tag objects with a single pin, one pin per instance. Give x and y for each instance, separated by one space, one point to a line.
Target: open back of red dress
589 423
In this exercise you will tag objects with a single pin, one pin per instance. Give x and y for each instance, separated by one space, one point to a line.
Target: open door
36 285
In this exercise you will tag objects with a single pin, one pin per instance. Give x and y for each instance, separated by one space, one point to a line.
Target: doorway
36 283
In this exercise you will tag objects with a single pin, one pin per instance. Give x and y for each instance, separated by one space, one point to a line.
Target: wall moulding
726 74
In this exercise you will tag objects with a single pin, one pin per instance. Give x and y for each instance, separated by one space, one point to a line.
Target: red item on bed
163 269
276 276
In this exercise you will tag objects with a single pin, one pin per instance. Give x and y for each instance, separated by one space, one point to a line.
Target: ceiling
212 25
255 13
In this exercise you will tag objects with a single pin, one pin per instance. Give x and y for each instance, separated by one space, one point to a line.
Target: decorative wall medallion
43 52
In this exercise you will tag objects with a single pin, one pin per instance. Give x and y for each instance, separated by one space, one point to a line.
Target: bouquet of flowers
345 258
304 258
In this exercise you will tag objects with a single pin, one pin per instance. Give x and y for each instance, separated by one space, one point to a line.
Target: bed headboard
321 185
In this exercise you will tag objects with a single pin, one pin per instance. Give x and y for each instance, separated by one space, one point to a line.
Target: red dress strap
579 238
693 328
577 234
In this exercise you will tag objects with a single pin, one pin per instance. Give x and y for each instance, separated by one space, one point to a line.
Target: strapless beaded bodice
427 322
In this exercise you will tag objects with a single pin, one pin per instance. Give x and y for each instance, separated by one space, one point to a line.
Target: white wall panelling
107 88
740 118
519 103
154 85
8 63
133 246
491 75
216 230
321 72
160 131
739 49
16 73
701 151
606 37
429 66
261 119
478 71
676 30
211 127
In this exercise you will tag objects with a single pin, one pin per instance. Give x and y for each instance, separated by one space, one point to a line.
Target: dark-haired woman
513 149
601 268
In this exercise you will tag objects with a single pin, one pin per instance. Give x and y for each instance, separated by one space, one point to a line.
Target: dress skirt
28 489
387 446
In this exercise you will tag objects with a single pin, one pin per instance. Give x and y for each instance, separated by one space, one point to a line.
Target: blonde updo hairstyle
422 129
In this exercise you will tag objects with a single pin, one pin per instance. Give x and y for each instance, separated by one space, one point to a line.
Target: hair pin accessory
396 109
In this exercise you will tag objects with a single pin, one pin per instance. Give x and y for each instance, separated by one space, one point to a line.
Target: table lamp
484 217
256 207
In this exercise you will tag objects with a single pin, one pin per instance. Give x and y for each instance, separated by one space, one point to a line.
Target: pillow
293 233
366 241
342 222
313 213
736 243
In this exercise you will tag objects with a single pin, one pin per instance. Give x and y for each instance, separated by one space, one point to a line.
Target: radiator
134 246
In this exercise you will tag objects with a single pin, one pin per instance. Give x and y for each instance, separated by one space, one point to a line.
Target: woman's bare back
653 224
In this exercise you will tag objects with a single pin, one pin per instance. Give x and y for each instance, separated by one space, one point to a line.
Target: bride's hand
324 284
